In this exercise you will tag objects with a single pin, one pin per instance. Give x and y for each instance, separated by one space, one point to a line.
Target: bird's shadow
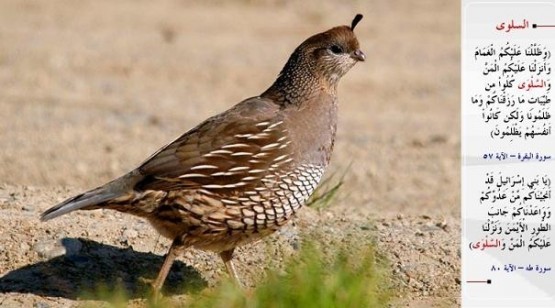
98 269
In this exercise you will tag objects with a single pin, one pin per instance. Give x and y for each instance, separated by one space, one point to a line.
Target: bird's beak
358 55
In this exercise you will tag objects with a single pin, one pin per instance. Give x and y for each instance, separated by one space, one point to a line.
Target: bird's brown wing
231 151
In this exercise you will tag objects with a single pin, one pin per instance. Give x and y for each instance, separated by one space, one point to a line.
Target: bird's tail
89 199
96 198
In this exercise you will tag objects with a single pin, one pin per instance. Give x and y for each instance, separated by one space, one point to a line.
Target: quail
242 174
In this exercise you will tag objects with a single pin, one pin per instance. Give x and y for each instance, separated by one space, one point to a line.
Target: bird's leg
227 257
175 249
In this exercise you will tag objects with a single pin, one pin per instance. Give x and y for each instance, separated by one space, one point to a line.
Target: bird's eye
336 49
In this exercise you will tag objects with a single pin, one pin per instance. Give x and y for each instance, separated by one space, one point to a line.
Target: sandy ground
91 88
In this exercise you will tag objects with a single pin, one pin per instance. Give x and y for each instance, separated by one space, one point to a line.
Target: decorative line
542 26
479 281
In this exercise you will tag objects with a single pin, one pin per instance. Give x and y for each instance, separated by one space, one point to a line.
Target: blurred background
88 89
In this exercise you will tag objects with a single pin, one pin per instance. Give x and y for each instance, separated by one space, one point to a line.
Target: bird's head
332 53
317 64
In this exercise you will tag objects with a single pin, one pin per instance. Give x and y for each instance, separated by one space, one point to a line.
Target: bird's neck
297 83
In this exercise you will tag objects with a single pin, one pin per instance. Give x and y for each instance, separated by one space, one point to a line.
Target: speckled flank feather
242 174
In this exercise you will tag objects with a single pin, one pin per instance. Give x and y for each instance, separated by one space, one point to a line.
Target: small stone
41 305
130 233
24 246
73 246
295 244
55 248
49 249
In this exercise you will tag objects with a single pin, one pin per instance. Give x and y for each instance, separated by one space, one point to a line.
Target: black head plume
357 18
